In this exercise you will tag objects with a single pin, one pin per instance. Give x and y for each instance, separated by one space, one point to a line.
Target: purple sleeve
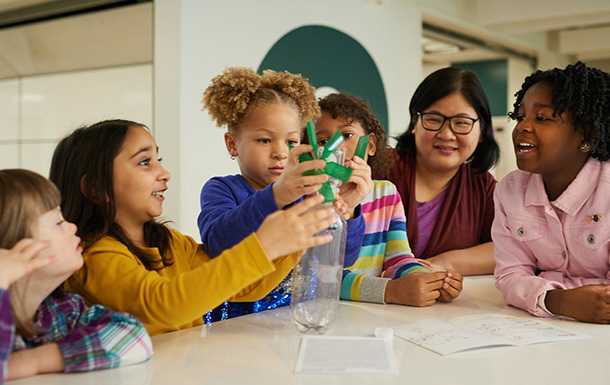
229 214
7 331
355 236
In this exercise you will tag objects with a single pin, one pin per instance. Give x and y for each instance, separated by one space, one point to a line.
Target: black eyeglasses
460 125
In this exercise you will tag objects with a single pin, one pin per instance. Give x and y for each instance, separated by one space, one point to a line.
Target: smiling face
261 143
351 130
139 180
65 245
443 151
545 144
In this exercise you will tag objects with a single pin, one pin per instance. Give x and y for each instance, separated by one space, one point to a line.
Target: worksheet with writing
480 331
346 355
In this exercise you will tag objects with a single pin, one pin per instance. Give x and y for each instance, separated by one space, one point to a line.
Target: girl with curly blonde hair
265 116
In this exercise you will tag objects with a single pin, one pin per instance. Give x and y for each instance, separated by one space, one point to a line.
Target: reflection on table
262 348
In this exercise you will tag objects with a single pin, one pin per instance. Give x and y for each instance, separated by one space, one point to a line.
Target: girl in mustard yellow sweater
112 187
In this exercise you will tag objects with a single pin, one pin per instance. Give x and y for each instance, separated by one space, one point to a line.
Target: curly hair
585 93
234 94
350 108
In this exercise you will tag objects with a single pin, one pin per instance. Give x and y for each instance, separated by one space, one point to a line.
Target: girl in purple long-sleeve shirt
551 230
43 329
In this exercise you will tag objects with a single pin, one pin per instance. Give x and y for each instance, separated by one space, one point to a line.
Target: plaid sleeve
7 331
91 338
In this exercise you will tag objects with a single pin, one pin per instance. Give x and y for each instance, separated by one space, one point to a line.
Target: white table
262 349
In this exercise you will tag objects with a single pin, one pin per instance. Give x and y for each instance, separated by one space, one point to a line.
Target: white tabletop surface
262 349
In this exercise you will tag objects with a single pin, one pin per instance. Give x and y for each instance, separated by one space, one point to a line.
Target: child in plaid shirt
43 329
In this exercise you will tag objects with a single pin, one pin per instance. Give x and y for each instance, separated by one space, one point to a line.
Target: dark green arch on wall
330 58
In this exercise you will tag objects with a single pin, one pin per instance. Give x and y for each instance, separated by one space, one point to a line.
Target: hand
590 303
21 260
294 229
416 289
341 206
452 286
30 362
359 185
291 185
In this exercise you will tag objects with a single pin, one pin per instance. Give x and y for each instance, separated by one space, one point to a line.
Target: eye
264 141
518 117
292 142
145 162
348 135
541 118
60 222
322 142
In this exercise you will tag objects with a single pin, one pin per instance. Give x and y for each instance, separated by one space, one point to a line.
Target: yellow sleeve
258 289
178 295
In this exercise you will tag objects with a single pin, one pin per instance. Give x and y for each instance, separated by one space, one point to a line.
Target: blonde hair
24 197
232 95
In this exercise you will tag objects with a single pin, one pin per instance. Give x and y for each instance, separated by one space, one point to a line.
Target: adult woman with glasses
441 168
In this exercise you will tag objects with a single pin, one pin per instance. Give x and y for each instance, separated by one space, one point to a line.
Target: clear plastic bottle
316 284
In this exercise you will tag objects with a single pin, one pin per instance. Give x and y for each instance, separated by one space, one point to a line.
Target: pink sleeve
515 264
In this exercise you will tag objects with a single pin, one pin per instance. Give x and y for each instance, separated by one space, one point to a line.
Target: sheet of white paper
480 331
346 355
444 337
517 329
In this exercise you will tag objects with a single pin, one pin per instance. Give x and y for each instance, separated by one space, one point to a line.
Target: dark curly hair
350 108
585 92
445 82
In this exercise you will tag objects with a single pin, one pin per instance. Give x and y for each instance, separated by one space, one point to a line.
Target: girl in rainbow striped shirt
385 270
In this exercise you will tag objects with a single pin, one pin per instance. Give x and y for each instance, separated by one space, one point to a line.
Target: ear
83 189
231 144
372 147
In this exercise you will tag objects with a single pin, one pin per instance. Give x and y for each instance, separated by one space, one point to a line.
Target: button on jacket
542 245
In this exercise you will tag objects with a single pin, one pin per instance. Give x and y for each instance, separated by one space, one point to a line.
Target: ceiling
36 36
572 30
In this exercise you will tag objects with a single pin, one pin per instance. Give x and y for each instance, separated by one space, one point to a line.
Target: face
443 151
352 131
65 245
546 144
139 180
261 144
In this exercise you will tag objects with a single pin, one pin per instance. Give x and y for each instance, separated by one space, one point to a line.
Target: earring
585 146
233 157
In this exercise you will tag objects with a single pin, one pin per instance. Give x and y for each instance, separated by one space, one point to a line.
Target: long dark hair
82 169
445 82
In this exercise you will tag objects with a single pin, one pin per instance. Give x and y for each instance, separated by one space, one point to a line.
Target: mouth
159 194
524 147
276 170
445 148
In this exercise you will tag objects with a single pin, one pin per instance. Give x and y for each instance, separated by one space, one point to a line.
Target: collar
574 197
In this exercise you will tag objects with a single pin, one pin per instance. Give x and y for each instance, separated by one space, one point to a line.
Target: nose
164 174
523 126
280 151
73 227
445 131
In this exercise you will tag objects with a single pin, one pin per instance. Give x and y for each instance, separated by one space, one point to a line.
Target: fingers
28 248
307 204
424 262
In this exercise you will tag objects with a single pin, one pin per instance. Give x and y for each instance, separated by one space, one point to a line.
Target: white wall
37 111
213 35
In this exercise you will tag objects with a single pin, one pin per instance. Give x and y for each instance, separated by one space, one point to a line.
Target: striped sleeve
385 251
90 338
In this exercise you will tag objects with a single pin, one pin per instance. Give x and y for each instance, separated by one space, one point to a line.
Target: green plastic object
362 146
332 169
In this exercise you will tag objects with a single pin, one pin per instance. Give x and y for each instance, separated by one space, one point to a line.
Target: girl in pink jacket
552 225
